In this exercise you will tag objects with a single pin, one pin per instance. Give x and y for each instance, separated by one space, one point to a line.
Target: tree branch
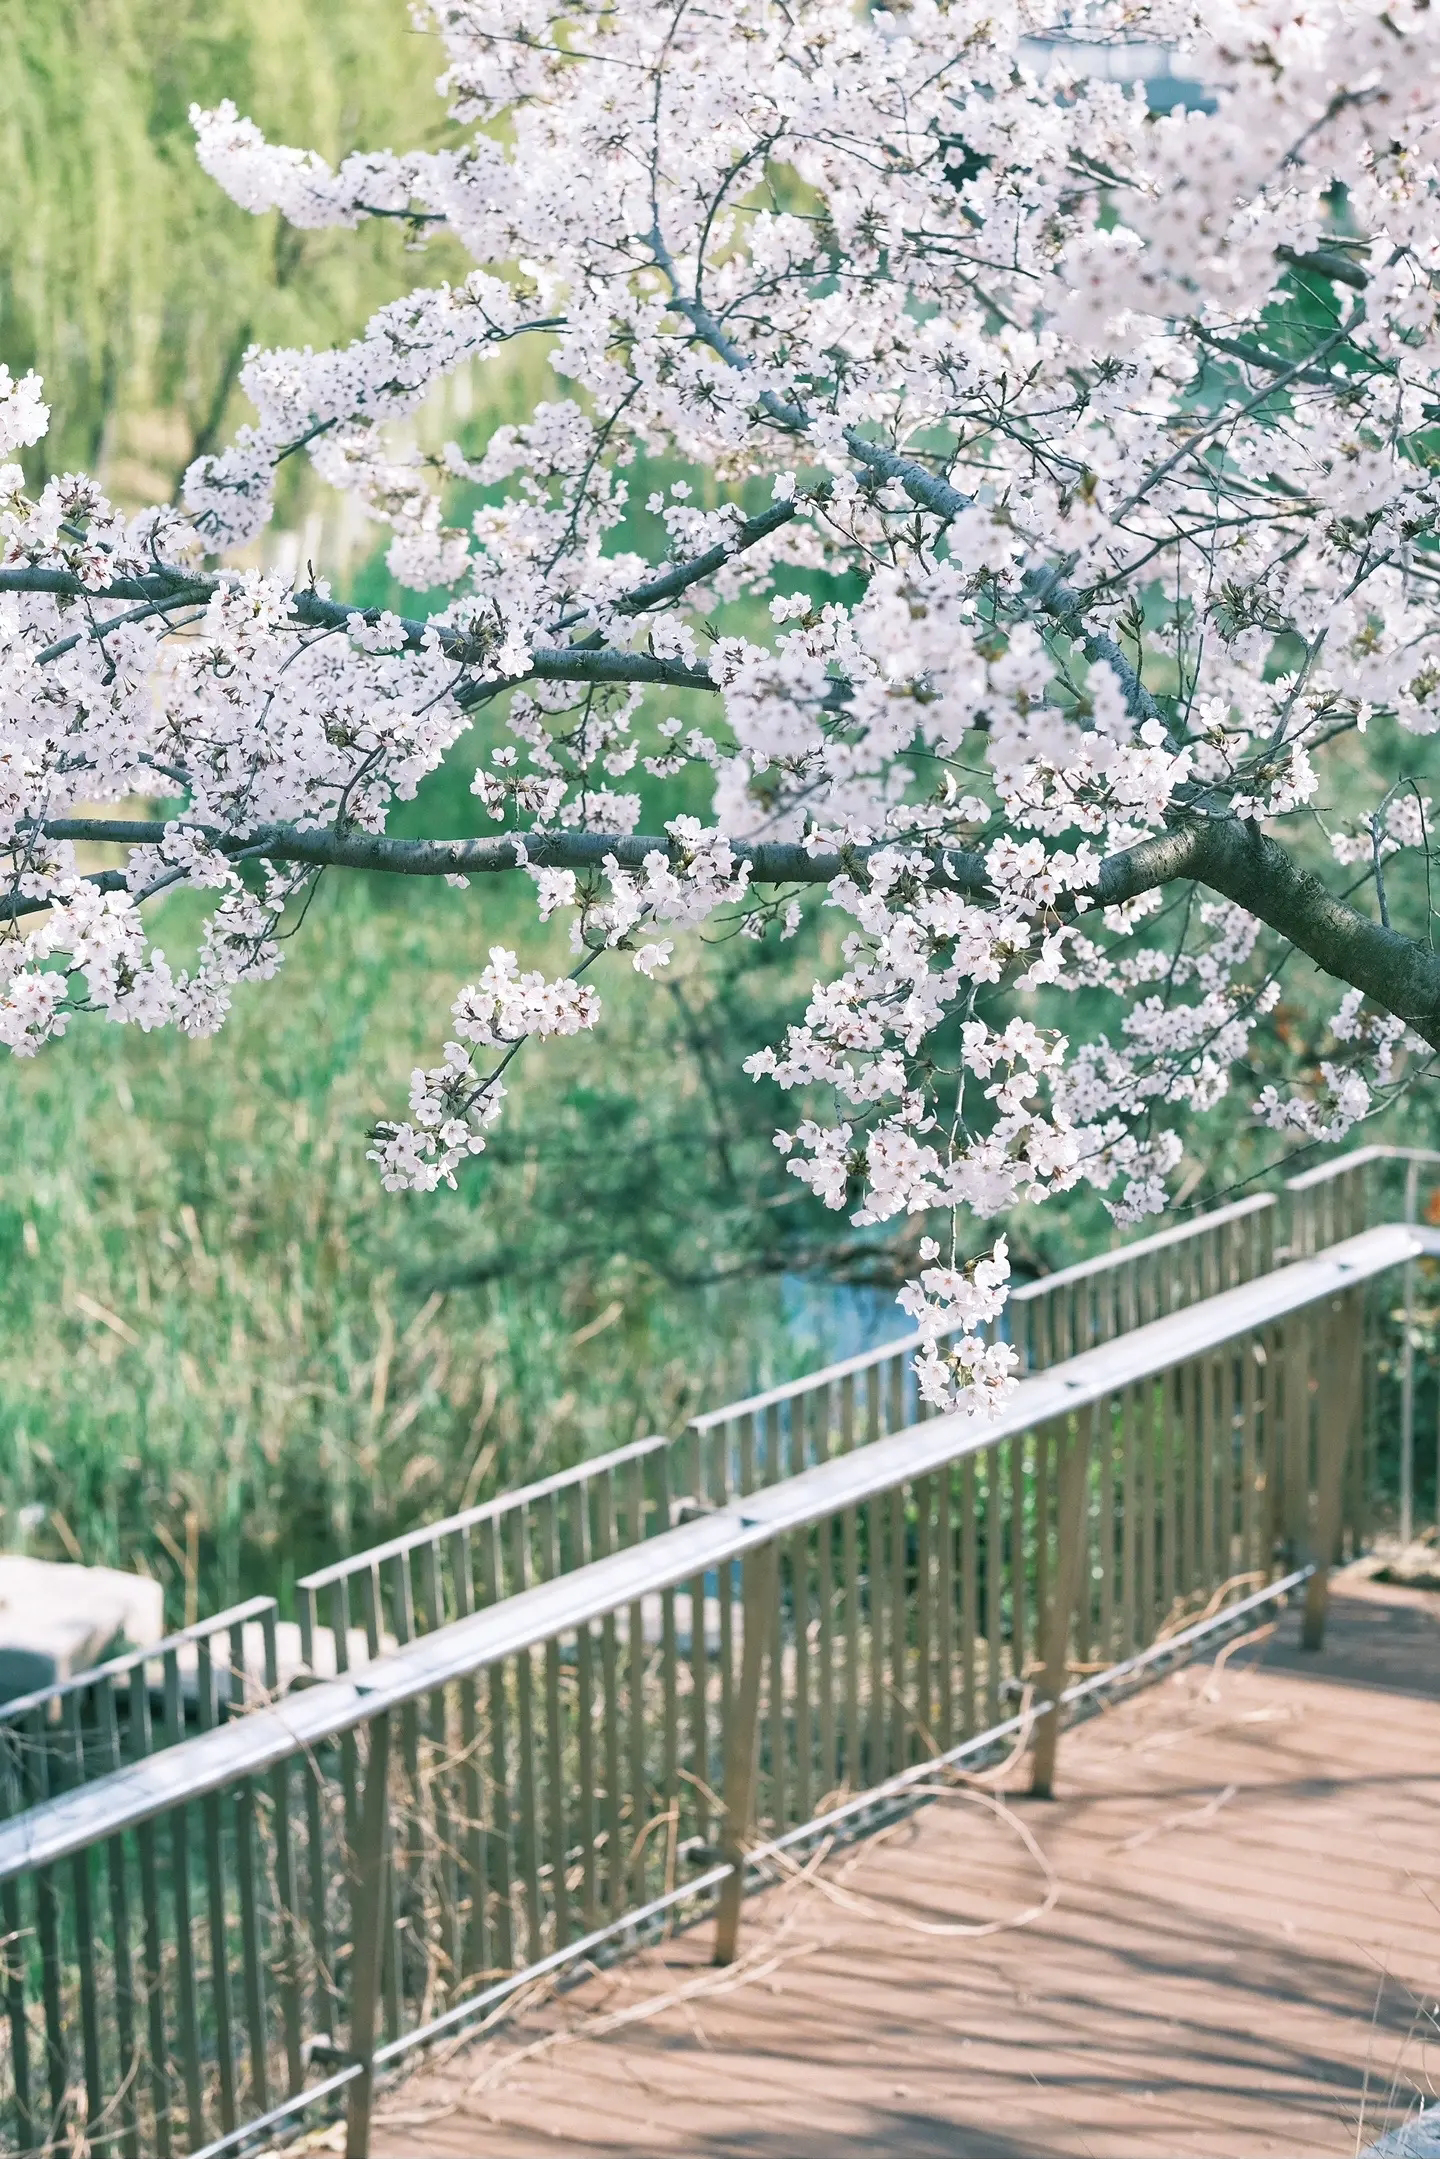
561 663
1230 856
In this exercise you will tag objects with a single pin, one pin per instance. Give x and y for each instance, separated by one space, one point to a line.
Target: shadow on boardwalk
1243 1958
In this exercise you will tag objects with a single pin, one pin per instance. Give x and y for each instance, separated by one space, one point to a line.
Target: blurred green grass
226 1355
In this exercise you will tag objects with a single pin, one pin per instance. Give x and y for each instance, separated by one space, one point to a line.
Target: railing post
1407 1373
367 1907
1072 1445
760 1583
1339 1400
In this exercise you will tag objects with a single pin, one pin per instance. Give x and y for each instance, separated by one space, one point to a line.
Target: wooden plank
1282 1962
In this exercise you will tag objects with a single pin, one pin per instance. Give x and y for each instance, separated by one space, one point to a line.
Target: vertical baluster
13 1950
724 1472
286 1891
215 1900
670 1687
1232 1453
1145 1399
1168 1421
369 1849
251 1949
925 1719
47 1916
1018 1316
157 2050
498 1870
187 1984
526 1822
84 1926
1040 1456
825 1600
340 1637
945 1603
462 1576
1129 1528
1296 1479
898 1628
1187 1400
875 1573
779 1747
969 1593
1047 1316
742 1743
1338 1361
994 1584
637 1667
312 1784
1075 1438
850 1561
439 1773
372 1620
610 1708
799 1545
1250 1558
555 1779
407 1871
1105 1529
1019 1580
1216 1560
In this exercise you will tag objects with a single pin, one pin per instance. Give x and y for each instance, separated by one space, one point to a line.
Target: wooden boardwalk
1243 1955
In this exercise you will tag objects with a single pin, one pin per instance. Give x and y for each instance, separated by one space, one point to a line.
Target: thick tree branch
1243 863
1229 856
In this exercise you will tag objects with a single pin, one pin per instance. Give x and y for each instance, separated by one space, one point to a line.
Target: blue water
830 1320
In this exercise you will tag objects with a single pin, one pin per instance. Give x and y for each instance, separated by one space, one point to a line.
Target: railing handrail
59 1828
1023 1293
1358 1158
411 1540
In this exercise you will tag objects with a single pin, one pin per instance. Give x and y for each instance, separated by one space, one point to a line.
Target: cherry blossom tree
1052 591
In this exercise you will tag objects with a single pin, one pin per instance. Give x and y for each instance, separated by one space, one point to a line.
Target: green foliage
227 1355
126 277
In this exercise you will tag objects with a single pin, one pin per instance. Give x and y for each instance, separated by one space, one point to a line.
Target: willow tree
1056 565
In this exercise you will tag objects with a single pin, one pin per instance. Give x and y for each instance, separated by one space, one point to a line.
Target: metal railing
294 1901
447 1569
84 1726
391 1594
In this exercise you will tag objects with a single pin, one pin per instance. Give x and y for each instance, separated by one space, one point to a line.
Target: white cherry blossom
1045 510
